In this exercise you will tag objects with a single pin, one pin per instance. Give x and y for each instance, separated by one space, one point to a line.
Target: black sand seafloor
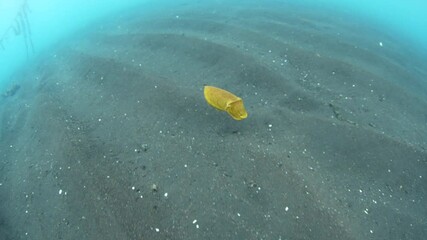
108 136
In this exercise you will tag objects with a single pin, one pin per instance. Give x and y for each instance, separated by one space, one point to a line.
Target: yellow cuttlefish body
225 101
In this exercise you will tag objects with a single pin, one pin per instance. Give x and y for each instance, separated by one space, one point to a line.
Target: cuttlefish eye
237 110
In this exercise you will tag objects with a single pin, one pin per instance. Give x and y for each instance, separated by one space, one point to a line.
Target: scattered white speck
360 190
185 165
238 214
1 183
270 125
177 16
197 225
60 191
286 209
155 86
194 221
26 211
366 211
166 194
371 231
99 120
381 44
157 230
160 131
269 51
102 77
388 170
133 187
374 201
108 176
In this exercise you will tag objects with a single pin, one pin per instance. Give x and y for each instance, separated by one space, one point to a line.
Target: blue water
405 20
52 21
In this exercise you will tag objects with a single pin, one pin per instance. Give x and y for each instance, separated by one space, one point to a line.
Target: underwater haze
403 20
215 119
49 22
52 21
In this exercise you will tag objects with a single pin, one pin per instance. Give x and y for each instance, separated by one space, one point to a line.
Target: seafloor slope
109 137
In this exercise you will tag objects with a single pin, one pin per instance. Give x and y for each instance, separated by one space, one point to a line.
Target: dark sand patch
334 146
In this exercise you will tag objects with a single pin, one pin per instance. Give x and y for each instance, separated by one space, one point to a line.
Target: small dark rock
11 91
144 147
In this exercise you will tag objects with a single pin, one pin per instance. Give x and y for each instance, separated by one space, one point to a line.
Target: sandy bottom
109 136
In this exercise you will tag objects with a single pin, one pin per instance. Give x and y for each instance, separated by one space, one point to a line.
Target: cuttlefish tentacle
225 101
